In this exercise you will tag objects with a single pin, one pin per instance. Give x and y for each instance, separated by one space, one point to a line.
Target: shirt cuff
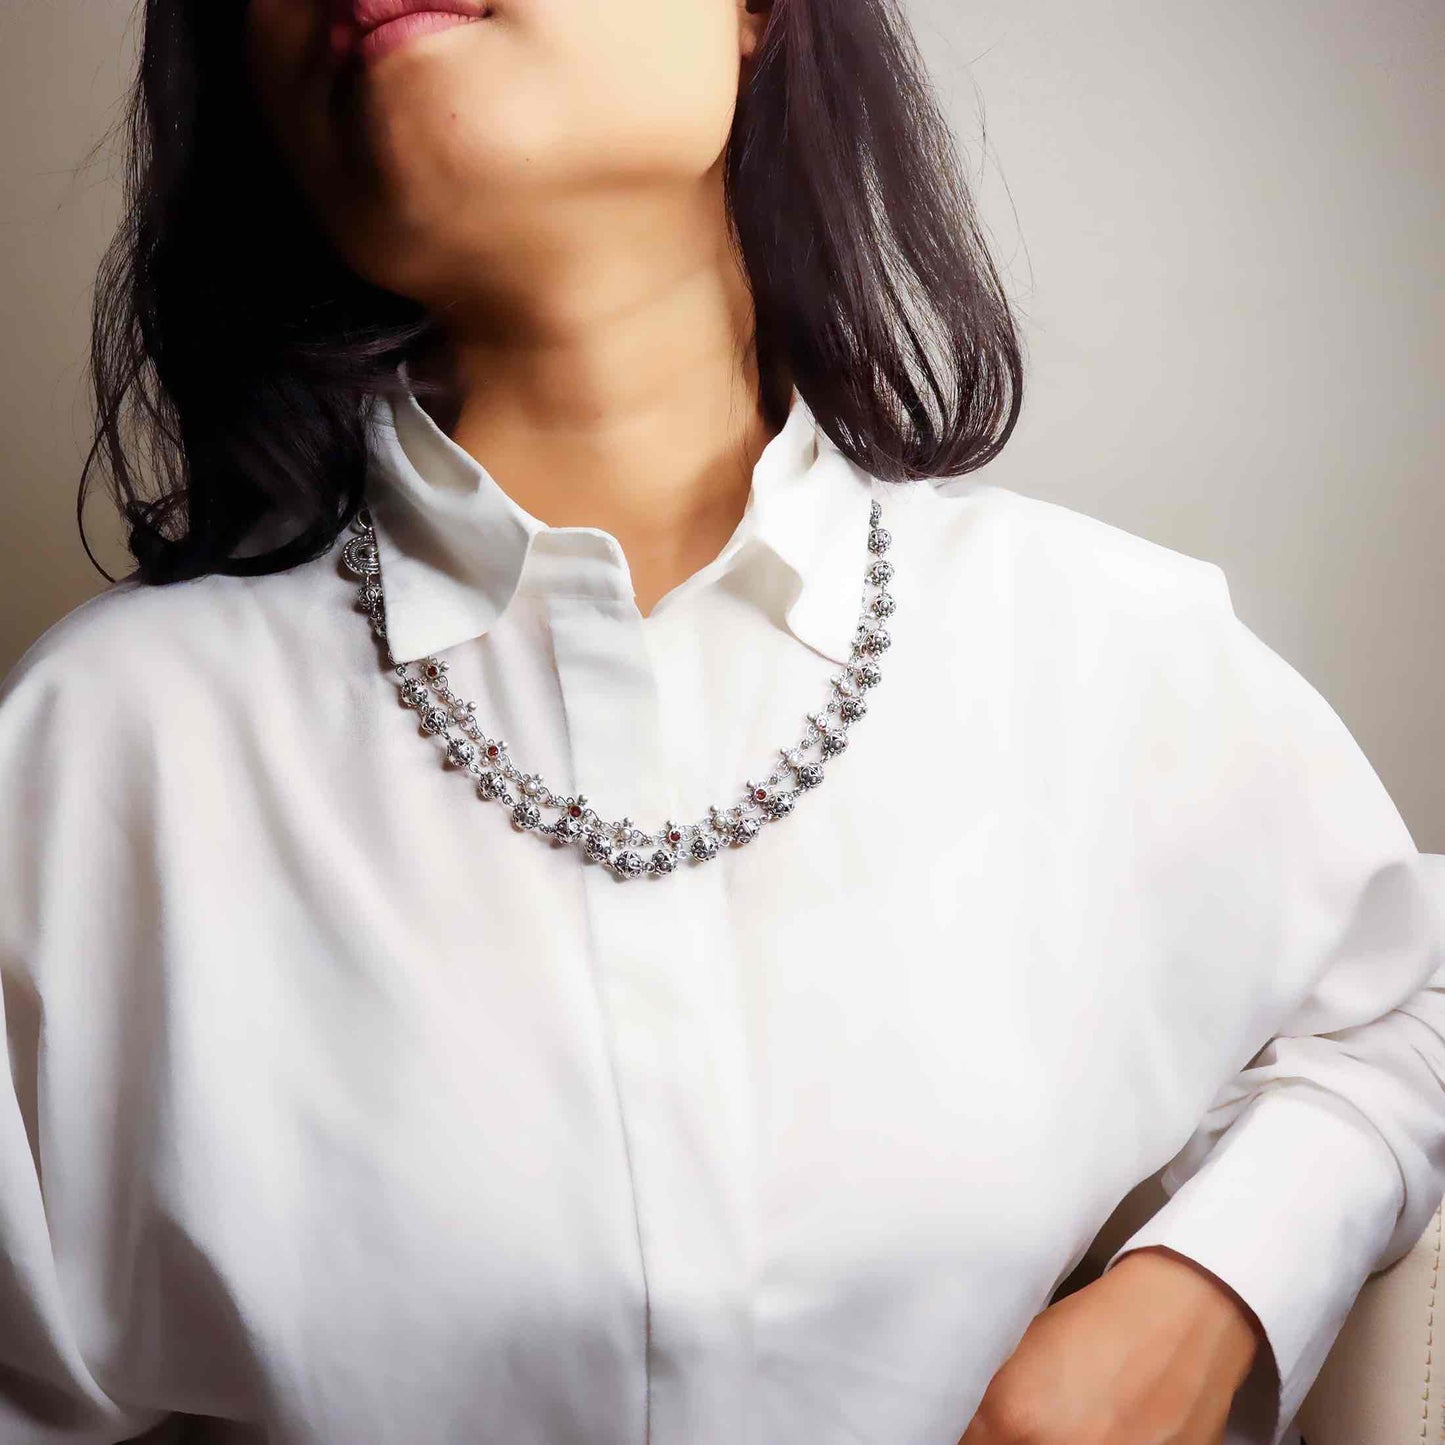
1293 1209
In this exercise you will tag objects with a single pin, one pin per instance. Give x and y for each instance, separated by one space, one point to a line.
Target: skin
548 182
1151 1353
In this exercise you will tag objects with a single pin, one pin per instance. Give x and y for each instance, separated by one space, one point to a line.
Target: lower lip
386 38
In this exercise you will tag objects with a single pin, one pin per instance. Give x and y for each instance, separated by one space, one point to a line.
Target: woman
553 404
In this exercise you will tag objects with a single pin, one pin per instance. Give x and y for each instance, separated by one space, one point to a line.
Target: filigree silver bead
489 785
868 674
745 830
525 814
434 719
596 845
880 574
879 539
461 753
663 860
883 605
833 742
852 708
781 804
810 775
414 693
628 863
703 847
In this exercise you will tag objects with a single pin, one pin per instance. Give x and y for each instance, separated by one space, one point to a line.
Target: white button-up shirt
340 1107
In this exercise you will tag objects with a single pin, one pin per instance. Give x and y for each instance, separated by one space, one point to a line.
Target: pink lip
365 30
387 37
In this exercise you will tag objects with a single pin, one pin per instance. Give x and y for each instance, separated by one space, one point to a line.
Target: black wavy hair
233 344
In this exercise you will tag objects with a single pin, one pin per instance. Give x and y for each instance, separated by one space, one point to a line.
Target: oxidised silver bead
628 863
525 814
810 775
663 860
868 674
878 539
781 804
745 830
833 742
567 827
489 785
414 693
434 719
852 708
369 596
596 845
875 512
883 605
461 753
703 846
880 574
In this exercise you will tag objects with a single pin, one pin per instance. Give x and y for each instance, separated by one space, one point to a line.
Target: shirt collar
454 544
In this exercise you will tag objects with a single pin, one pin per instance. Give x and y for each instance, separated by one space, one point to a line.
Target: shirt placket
667 1000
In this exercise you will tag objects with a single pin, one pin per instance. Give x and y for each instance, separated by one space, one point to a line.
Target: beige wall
63 65
1223 225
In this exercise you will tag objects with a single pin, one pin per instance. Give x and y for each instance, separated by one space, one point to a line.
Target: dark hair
243 349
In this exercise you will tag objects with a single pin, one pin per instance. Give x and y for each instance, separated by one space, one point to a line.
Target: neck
617 389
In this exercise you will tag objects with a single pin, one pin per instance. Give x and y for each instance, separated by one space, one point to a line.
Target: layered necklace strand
629 851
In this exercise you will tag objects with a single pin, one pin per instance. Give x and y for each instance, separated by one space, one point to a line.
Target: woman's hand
1151 1353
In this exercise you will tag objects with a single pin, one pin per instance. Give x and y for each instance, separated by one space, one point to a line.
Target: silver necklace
626 849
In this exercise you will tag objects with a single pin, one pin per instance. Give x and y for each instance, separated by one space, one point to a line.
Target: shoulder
104 635
133 653
1053 553
1077 617
135 630
1092 622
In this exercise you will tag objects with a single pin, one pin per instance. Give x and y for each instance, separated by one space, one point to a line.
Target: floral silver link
625 849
